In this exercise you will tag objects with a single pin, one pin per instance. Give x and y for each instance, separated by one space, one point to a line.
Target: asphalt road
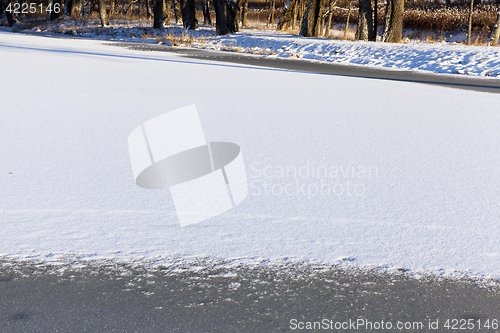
107 297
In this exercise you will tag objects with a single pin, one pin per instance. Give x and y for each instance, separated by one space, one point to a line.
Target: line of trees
313 19
313 16
228 14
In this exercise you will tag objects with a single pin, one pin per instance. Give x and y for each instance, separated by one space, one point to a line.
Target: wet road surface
212 296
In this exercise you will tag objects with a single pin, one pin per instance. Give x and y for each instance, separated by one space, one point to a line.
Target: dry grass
479 38
450 19
181 39
431 18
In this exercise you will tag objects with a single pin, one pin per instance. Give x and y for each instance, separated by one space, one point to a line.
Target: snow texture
387 174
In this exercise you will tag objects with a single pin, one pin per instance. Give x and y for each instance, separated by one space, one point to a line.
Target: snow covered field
374 173
443 57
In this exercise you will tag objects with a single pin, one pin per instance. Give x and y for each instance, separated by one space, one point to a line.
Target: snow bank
442 57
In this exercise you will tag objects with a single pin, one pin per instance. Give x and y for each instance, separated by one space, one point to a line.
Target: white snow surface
419 165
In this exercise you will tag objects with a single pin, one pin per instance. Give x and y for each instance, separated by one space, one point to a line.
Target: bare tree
270 19
148 8
50 5
114 8
206 12
311 21
177 11
56 10
302 11
287 14
188 14
295 13
82 8
393 21
470 21
236 7
348 16
224 20
366 20
68 7
158 14
495 33
330 14
11 19
167 5
130 8
244 13
102 13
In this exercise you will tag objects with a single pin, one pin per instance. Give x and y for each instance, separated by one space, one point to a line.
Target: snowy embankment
376 173
442 57
436 58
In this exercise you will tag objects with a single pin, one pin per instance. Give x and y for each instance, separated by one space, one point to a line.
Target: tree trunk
68 6
206 12
302 12
294 14
244 13
235 7
270 19
287 14
393 21
224 22
312 19
167 4
495 33
102 13
158 14
188 14
11 19
82 9
470 21
130 8
50 4
74 7
220 17
330 14
113 8
319 25
319 19
307 28
388 17
148 9
366 24
177 11
348 16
